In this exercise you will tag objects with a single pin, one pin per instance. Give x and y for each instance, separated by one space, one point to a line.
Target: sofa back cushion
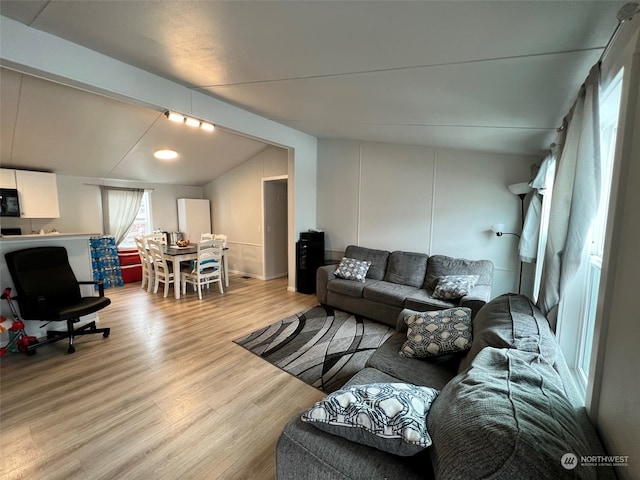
406 268
507 417
378 259
511 321
441 266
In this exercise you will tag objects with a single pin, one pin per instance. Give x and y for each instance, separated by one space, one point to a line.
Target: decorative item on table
182 243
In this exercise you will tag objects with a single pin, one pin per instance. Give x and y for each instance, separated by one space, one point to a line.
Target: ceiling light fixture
175 117
165 154
192 122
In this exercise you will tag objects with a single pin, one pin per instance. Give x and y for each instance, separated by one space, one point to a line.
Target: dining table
190 252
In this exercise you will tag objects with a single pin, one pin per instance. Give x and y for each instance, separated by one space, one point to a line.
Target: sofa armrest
323 276
477 297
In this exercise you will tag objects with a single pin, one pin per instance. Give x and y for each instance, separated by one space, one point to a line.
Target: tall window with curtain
575 224
609 111
576 195
119 208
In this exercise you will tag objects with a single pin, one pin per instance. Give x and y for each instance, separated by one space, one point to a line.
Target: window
141 225
609 112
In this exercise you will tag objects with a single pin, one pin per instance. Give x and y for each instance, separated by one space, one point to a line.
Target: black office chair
47 289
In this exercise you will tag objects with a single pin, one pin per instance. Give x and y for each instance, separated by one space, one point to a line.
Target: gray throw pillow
437 332
352 269
391 417
452 287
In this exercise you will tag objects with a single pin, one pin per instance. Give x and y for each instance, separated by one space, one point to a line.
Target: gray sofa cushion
421 301
378 259
511 321
388 293
506 417
406 268
304 452
349 287
441 265
433 372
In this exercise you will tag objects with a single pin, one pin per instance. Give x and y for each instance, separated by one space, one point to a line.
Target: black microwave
9 205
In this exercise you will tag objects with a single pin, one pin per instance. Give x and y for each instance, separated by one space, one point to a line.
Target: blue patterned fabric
352 269
391 417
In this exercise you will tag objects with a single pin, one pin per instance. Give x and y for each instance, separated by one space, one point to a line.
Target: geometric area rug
322 346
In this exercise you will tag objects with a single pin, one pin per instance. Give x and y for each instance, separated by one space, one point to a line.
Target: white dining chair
206 236
158 237
222 237
207 267
147 263
162 270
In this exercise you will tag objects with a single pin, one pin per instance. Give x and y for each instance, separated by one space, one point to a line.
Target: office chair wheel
71 349
106 333
31 352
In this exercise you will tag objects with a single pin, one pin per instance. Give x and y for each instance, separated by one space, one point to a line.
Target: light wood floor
166 396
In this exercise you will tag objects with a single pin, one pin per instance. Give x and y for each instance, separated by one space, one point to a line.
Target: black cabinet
309 256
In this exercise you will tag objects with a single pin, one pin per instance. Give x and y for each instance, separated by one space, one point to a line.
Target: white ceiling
494 76
45 125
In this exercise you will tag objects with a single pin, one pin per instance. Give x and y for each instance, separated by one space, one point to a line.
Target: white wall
81 205
422 199
236 208
31 51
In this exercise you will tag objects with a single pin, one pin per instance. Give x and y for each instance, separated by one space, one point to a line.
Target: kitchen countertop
42 236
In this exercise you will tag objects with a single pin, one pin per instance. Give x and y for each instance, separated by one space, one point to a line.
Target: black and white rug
322 346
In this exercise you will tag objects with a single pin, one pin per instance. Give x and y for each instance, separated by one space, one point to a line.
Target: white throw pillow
391 417
352 269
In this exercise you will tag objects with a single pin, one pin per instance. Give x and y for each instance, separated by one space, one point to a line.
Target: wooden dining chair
162 270
207 267
206 236
147 263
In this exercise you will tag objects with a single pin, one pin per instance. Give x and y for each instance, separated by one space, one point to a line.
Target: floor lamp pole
521 195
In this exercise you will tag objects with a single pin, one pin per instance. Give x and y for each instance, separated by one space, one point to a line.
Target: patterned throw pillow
391 417
454 286
352 269
438 332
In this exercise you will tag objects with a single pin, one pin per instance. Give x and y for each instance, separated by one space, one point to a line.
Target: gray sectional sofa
506 409
398 280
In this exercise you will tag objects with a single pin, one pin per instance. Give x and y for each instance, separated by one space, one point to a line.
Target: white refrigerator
194 218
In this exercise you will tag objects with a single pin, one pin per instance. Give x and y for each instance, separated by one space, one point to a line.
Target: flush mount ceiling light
165 154
192 122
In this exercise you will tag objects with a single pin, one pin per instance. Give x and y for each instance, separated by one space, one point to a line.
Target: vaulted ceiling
494 76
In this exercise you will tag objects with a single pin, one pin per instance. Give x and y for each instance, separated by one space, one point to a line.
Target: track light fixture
192 122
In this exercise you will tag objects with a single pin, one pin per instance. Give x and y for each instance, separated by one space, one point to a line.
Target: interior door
275 228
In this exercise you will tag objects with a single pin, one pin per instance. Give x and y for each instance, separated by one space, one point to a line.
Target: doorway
275 226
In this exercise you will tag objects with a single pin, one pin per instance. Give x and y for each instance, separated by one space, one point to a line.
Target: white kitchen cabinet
194 218
38 194
7 178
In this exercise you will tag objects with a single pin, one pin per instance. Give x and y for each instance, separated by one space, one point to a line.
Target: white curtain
119 209
575 197
542 180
